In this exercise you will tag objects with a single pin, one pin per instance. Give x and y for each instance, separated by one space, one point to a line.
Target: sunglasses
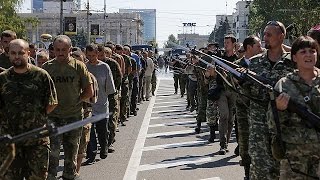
275 23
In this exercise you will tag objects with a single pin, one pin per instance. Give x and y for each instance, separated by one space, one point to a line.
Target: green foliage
10 20
303 13
172 40
217 35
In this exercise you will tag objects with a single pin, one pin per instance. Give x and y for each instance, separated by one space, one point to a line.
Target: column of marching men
218 98
65 84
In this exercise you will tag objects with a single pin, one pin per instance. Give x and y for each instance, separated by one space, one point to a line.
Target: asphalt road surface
160 144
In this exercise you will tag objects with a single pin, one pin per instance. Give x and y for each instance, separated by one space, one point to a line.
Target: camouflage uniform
242 110
124 101
70 79
302 142
202 95
263 165
23 101
212 112
114 98
131 77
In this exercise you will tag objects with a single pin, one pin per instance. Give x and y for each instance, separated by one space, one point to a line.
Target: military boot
212 134
247 172
198 128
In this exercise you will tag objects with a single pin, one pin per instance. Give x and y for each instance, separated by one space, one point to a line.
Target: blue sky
170 13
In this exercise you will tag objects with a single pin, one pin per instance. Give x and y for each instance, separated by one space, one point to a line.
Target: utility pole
105 20
61 16
88 23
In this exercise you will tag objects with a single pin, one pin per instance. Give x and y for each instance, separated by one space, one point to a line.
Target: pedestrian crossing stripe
170 133
174 145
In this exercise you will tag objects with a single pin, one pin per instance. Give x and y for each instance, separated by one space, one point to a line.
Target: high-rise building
37 6
53 6
148 17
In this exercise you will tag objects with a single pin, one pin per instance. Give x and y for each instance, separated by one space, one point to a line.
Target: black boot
198 128
237 151
247 172
212 134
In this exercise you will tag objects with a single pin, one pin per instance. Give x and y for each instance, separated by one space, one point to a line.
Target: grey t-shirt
103 74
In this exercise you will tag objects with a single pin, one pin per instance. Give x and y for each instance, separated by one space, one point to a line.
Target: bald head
19 53
20 43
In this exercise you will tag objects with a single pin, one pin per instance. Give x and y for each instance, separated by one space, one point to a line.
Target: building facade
37 6
240 20
53 6
121 28
148 17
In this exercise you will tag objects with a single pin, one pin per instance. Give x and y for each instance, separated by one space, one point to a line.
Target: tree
303 13
172 40
217 35
10 20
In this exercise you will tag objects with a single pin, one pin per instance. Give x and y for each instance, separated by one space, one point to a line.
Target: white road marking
181 106
134 162
173 163
170 133
172 124
212 178
171 102
171 111
174 145
175 116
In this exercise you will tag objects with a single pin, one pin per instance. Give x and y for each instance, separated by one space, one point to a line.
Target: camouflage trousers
70 142
192 92
202 105
212 113
242 111
31 162
124 101
263 165
114 118
301 159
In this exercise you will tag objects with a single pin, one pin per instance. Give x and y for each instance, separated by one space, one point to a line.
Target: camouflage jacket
261 65
24 98
294 130
116 72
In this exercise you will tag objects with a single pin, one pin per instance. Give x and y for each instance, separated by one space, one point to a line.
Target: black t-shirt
232 58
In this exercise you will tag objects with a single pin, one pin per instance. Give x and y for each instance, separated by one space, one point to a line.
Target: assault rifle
48 130
186 63
305 113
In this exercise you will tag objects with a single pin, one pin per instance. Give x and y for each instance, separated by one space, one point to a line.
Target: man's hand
282 101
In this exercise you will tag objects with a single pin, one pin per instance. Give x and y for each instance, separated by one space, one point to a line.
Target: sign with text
189 24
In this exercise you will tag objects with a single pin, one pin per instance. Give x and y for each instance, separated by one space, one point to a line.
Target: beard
19 64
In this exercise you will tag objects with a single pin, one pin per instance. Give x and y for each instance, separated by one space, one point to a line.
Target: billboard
70 25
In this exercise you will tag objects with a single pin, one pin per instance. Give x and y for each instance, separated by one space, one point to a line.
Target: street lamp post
61 16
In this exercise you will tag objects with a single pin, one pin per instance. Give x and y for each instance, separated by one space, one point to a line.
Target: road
160 143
